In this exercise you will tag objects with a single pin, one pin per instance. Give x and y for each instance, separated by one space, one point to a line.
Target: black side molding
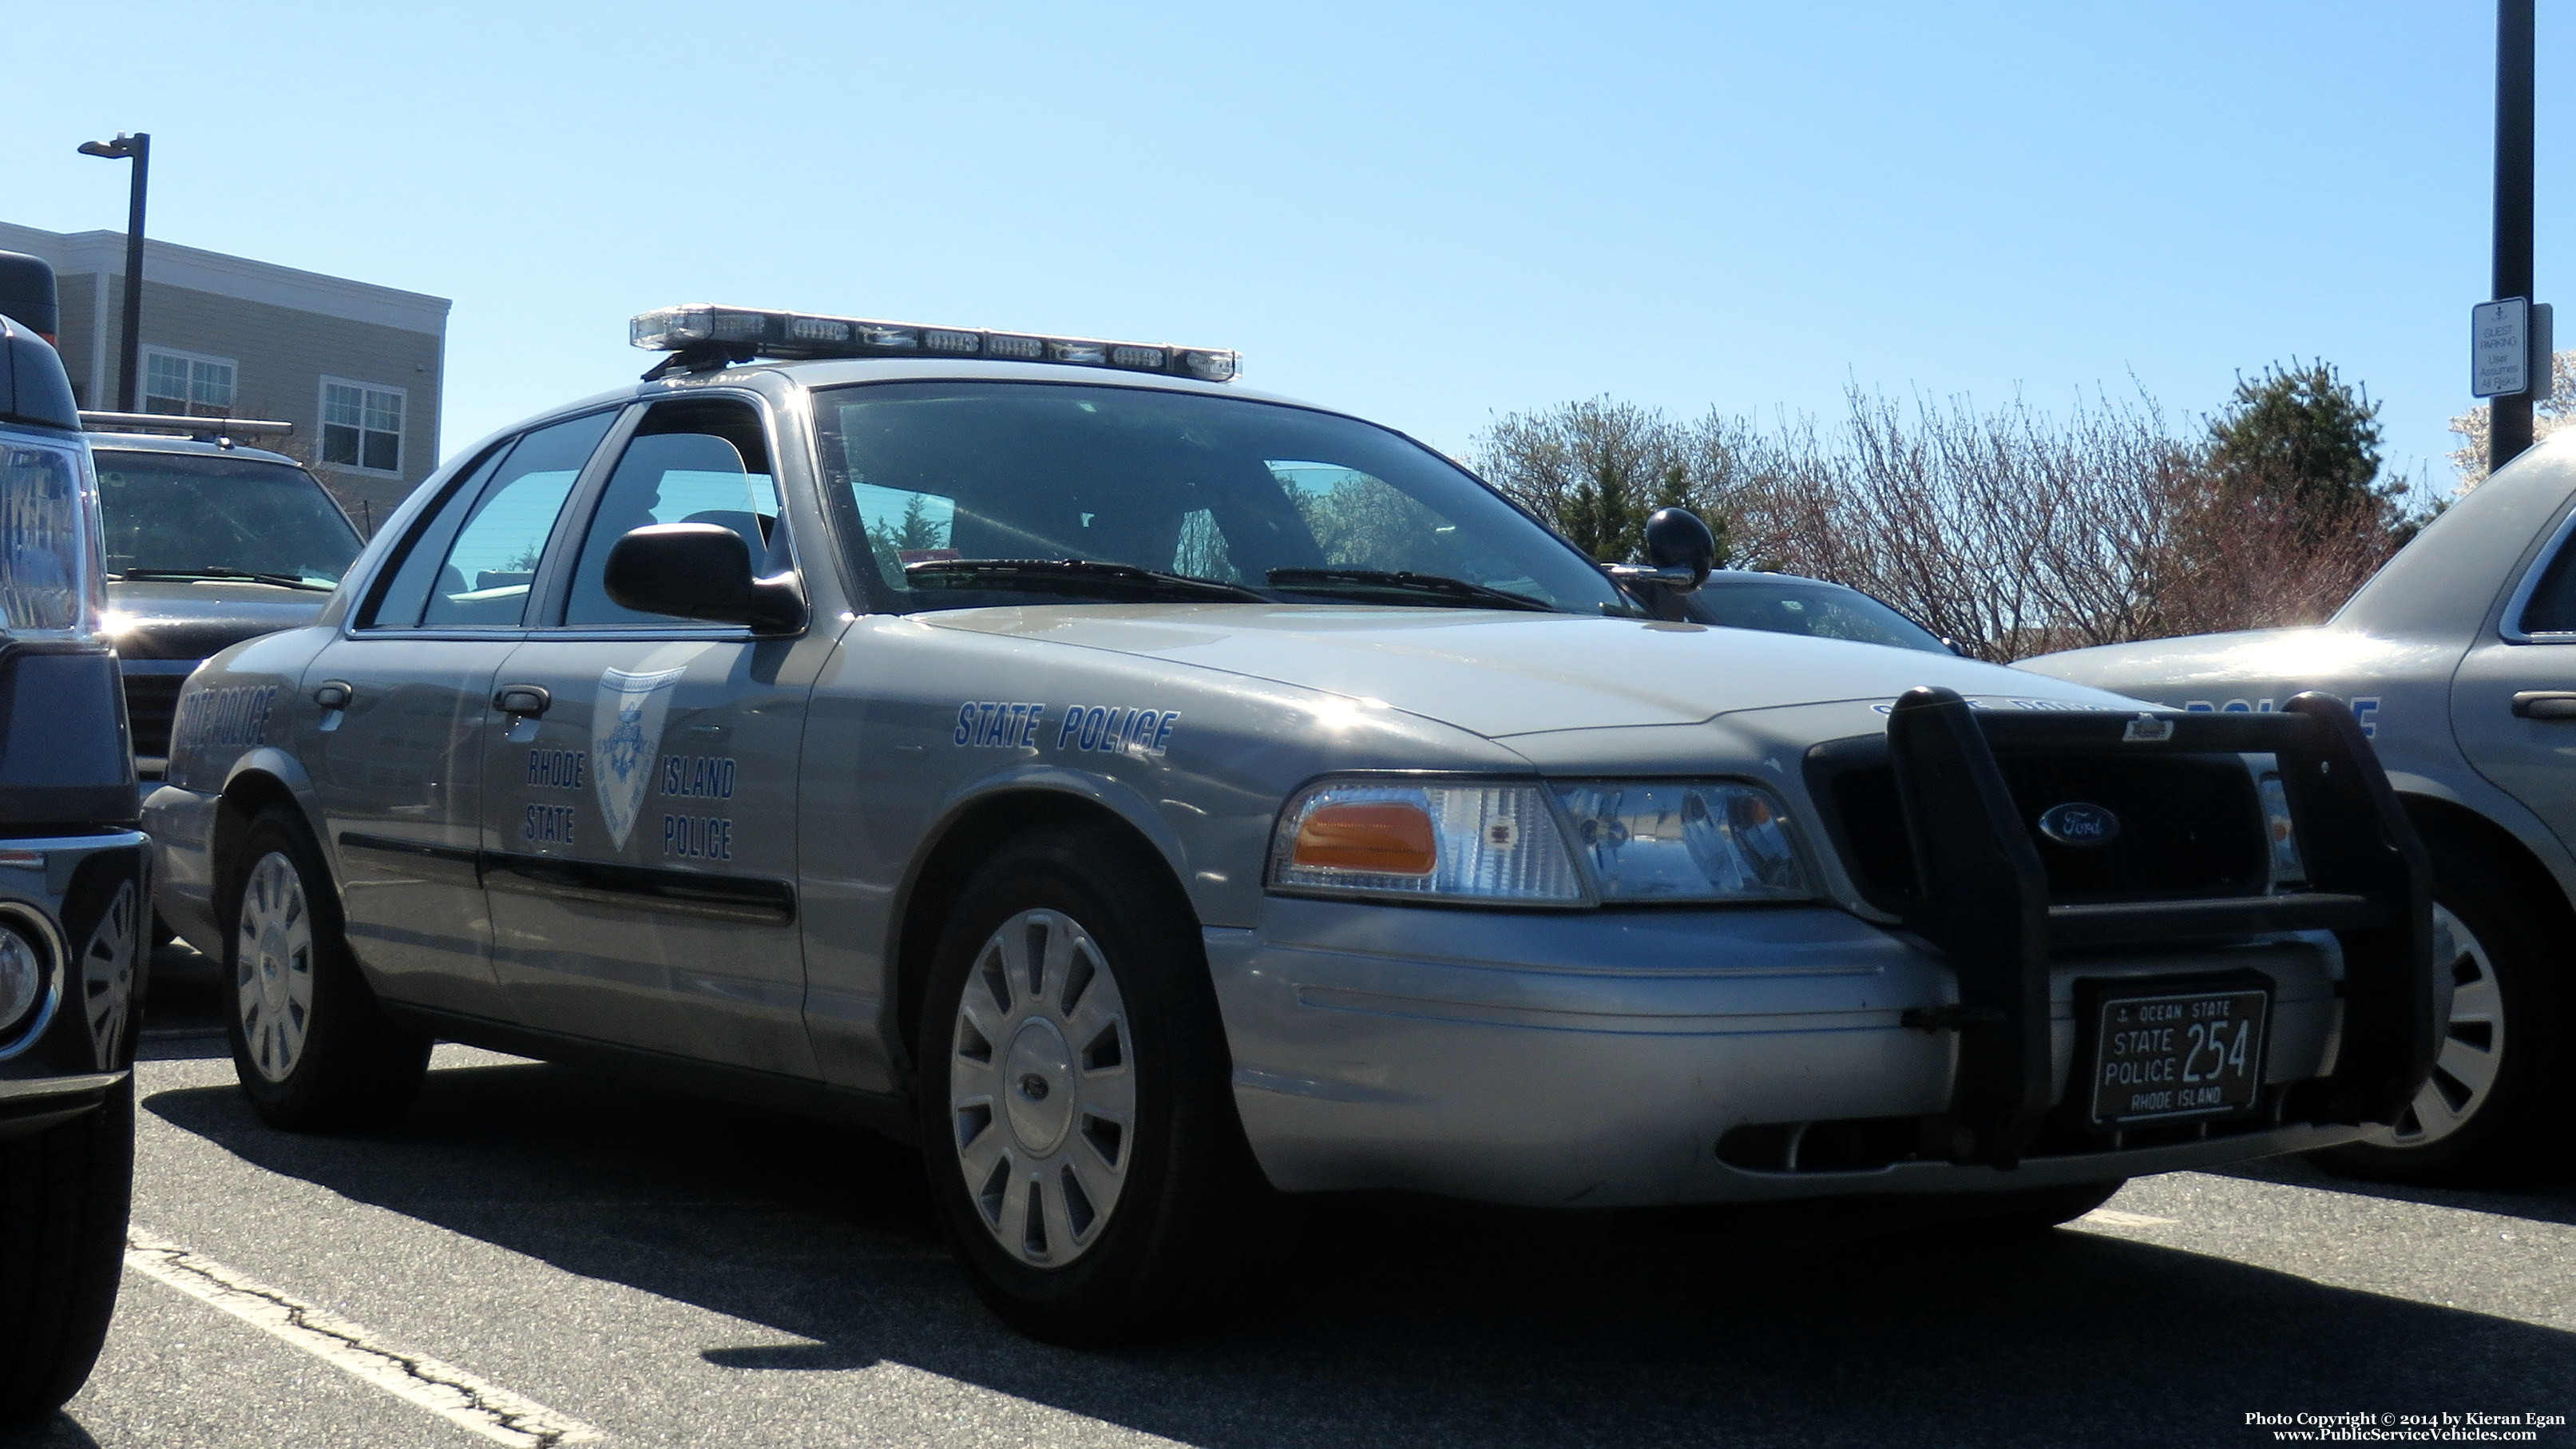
749 899
680 892
387 845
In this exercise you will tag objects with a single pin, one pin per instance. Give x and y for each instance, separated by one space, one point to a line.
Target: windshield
1805 606
183 514
1181 489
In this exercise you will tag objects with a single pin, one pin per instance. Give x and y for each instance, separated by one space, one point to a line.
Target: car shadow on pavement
54 1431
1413 1322
2543 1201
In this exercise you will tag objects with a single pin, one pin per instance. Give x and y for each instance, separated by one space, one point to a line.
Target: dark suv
208 544
73 890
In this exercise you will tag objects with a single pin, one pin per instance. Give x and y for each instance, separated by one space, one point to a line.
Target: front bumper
1642 1057
1602 1059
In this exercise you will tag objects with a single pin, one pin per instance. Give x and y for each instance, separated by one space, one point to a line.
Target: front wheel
1076 1098
2496 1107
63 1199
313 1049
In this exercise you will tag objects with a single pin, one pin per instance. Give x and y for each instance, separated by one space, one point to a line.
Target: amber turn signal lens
1381 837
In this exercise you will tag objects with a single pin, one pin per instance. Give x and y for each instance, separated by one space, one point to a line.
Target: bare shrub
2011 531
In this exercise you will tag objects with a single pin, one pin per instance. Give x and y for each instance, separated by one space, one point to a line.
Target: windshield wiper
1407 582
1069 575
219 571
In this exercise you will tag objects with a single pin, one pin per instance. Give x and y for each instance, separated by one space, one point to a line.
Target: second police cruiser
1153 798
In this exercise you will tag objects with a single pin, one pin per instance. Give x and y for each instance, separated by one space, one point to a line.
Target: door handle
332 694
2545 704
530 700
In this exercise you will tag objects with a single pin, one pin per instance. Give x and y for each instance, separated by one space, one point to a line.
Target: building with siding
355 366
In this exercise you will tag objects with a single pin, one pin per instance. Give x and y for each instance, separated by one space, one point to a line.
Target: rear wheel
64 1193
2496 1107
1076 1097
313 1049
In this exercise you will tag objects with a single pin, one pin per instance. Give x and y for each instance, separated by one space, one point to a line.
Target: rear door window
473 566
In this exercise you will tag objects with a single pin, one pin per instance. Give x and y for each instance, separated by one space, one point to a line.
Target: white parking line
2114 1218
443 1389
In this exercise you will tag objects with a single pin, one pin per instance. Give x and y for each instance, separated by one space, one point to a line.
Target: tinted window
175 514
2552 609
701 461
490 534
1257 496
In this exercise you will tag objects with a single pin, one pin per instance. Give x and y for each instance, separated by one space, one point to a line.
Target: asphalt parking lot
541 1255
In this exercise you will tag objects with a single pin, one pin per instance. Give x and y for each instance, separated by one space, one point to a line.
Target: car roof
159 443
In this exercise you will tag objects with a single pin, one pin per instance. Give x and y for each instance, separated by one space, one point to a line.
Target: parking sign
2500 347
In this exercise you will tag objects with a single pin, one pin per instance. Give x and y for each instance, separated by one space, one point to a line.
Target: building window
187 385
362 426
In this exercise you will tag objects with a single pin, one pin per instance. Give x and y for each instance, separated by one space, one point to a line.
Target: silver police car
1156 798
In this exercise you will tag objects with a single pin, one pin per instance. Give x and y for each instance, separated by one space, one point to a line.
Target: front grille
150 701
2190 826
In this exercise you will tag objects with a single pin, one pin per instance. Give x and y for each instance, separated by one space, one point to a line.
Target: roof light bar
794 336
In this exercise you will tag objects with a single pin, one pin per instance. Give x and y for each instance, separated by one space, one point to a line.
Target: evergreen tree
2303 445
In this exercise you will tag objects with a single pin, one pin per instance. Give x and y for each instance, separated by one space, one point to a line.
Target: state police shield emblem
625 739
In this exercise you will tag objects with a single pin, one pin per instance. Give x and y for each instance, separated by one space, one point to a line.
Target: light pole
136 148
2509 417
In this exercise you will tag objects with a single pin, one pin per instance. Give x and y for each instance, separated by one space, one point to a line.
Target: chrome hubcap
273 966
107 972
2464 1072
1041 1099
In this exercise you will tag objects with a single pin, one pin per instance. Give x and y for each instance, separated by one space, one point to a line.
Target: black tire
352 1066
2024 1210
64 1193
1194 1217
2515 1130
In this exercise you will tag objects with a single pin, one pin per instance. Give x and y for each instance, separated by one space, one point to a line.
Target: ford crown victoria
1156 799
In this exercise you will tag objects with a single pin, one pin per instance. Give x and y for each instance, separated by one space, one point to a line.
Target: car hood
191 619
1506 673
2163 667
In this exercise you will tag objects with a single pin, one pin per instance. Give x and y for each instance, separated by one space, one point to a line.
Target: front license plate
2178 1054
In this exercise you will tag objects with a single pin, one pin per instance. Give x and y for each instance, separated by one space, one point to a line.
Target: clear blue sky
1426 214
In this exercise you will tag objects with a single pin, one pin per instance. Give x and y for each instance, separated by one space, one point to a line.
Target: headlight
22 979
50 584
1679 840
1567 844
1461 842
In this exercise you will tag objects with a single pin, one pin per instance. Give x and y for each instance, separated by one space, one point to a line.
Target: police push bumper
1984 899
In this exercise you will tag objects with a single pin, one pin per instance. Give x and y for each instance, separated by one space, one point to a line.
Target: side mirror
1677 539
700 571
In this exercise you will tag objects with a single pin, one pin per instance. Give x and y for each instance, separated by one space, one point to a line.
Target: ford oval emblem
2080 825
